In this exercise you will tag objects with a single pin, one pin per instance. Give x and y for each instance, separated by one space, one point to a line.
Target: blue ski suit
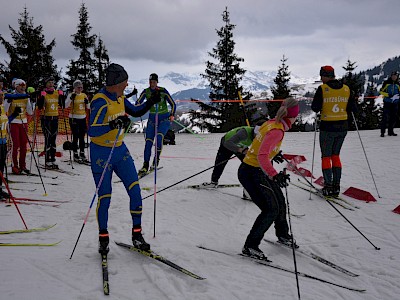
105 107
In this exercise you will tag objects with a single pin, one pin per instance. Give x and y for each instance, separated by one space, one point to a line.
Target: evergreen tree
102 62
224 77
84 68
281 89
371 112
30 57
354 82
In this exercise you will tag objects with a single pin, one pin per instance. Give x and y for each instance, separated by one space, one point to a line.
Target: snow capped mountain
188 85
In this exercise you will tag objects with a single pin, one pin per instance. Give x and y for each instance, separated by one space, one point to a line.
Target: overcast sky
175 35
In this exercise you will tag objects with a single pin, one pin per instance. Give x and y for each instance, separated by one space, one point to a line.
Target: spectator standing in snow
107 116
77 119
164 117
19 125
49 100
390 90
264 183
335 101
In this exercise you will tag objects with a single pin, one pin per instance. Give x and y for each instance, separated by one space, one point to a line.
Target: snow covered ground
186 218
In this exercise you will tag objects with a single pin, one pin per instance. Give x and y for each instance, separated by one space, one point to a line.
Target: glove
86 101
120 122
278 158
171 118
135 91
73 95
17 111
155 97
282 179
30 90
60 92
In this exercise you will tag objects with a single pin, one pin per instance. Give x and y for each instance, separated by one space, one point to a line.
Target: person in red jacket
264 183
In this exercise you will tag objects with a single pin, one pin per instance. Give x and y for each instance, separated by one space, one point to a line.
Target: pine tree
354 82
30 57
371 113
281 89
102 62
224 77
84 68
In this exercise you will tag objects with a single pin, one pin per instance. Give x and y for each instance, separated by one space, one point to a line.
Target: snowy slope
219 219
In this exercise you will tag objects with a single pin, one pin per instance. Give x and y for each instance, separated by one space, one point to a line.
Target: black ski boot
287 240
138 240
336 190
104 240
253 251
327 190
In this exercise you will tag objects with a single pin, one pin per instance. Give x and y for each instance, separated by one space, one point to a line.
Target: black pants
50 131
223 155
268 196
78 128
3 157
389 117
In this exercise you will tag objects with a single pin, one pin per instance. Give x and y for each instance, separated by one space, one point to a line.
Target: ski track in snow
218 219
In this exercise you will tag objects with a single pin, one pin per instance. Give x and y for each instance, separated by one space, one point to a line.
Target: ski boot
138 240
104 240
144 169
209 185
254 252
287 240
76 157
327 190
336 190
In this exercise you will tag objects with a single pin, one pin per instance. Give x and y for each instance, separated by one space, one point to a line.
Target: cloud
175 35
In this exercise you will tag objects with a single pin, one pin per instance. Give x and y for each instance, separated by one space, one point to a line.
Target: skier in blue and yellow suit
164 117
107 116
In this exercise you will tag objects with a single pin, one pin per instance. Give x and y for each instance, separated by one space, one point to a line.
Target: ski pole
66 134
141 120
170 186
190 130
320 193
366 158
244 109
34 137
97 189
291 232
313 153
34 158
155 169
13 199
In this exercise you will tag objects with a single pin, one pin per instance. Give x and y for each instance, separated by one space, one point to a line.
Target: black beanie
153 76
115 74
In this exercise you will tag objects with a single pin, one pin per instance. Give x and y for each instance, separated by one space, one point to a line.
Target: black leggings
78 128
268 196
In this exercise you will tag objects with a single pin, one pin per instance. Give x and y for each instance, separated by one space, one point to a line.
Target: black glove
17 111
73 95
155 97
282 179
134 92
278 158
86 101
120 122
